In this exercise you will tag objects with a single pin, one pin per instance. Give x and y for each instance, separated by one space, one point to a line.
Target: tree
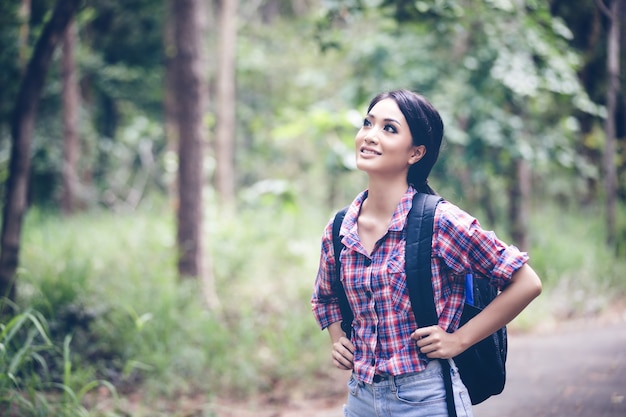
225 135
613 14
71 104
191 92
24 13
22 126
519 197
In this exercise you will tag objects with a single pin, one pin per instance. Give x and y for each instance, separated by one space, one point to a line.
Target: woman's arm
435 342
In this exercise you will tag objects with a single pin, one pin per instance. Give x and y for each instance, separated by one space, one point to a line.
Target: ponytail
423 187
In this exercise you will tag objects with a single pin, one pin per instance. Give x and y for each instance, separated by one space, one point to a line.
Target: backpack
482 366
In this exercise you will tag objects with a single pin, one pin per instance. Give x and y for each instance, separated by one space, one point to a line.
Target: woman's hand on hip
343 349
343 354
435 342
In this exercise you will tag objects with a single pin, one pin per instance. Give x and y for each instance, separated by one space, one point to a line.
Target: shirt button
373 362
368 262
373 329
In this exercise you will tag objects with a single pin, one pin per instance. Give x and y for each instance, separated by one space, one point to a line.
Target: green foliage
119 60
9 59
123 53
500 72
503 74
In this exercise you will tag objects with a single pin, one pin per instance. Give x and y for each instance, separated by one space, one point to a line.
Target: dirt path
576 368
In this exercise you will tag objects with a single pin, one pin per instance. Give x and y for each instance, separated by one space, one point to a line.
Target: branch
605 10
37 69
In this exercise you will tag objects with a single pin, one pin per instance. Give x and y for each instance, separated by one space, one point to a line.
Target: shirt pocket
397 286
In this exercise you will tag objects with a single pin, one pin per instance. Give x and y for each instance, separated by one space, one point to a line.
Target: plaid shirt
375 283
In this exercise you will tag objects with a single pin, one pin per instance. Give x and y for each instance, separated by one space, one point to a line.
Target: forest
167 168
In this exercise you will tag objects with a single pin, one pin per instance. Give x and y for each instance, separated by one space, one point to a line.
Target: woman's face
384 144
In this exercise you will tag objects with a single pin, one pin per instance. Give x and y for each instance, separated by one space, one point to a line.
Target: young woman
392 359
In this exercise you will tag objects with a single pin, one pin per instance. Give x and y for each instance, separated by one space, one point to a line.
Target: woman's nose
370 137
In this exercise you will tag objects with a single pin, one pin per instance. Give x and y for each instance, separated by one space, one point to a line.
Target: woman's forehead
387 109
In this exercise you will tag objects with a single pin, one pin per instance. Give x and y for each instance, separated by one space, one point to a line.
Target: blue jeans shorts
418 394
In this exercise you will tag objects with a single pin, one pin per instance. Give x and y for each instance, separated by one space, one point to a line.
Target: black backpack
482 366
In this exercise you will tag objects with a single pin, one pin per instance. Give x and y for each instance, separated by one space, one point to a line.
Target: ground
570 368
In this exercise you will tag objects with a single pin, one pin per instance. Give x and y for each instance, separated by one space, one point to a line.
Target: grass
580 275
102 310
26 385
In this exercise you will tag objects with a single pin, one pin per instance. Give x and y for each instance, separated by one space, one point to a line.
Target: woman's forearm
524 287
335 331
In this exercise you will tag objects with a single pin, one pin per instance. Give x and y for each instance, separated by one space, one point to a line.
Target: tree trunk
71 104
610 169
225 140
519 195
487 203
21 132
191 92
24 14
169 91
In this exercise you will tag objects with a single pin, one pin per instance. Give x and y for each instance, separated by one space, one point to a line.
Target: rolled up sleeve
324 301
466 247
510 260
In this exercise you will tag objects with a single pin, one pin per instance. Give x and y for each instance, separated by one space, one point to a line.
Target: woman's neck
377 211
383 197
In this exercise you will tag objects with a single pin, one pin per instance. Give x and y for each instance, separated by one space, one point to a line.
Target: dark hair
426 129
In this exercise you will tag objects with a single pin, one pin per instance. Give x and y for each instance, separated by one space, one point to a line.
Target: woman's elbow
531 280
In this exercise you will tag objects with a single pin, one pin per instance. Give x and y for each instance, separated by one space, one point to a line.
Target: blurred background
167 168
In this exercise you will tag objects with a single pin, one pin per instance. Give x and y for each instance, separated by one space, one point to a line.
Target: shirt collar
398 220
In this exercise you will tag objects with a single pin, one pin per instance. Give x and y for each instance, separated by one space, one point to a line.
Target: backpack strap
419 237
337 286
418 253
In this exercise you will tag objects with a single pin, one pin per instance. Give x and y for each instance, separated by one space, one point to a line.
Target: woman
393 361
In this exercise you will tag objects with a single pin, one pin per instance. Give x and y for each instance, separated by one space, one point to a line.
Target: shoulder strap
344 306
420 222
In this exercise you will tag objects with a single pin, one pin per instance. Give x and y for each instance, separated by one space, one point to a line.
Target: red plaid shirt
375 283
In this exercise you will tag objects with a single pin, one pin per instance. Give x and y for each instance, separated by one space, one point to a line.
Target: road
578 369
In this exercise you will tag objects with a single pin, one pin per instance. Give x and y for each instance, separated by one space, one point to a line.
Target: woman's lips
369 151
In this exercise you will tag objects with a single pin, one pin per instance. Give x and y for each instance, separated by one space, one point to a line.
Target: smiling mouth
369 151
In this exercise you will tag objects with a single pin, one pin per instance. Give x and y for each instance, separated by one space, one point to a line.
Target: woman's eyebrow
387 119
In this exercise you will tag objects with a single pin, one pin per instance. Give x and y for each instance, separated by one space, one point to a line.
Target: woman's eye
390 129
366 123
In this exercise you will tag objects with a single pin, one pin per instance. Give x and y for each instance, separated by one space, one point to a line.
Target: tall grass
26 385
107 288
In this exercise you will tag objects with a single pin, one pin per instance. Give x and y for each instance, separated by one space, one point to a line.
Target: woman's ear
417 153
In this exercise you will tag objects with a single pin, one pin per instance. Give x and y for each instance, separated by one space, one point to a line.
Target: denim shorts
418 394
